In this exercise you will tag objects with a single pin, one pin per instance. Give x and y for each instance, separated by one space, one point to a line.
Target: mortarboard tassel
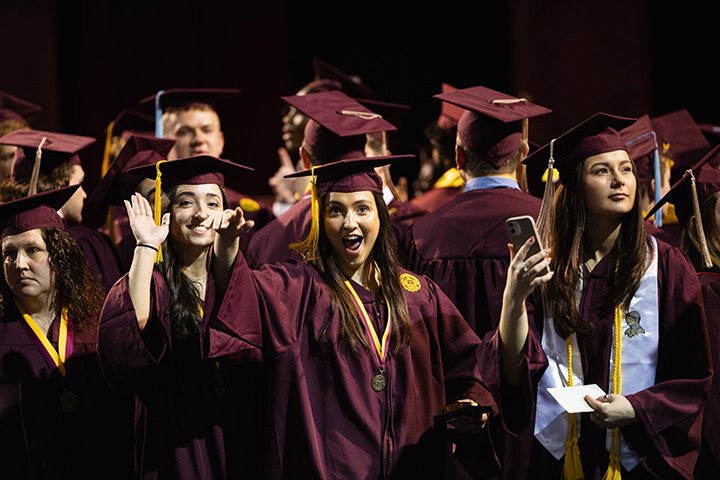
707 261
103 170
157 212
658 220
545 217
34 177
308 248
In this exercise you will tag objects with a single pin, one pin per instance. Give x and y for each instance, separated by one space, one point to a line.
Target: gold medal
378 382
69 401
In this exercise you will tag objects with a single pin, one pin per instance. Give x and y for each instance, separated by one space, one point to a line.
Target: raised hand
283 188
231 224
142 222
525 273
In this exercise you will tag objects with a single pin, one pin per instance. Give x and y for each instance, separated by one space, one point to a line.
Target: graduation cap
492 127
697 184
352 85
347 175
711 132
14 108
34 211
338 125
184 97
642 147
117 184
53 148
681 140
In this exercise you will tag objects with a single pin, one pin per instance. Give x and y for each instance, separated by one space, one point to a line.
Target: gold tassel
545 217
157 213
308 248
572 468
699 224
106 152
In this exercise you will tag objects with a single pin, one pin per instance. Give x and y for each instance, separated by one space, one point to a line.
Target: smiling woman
149 330
361 354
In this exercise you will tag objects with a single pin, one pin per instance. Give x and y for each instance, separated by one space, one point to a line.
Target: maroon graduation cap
492 124
55 149
681 139
338 124
34 211
352 85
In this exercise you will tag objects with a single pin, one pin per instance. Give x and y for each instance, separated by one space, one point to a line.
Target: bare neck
600 238
40 310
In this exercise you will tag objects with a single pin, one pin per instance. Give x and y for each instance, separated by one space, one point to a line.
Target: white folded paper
572 399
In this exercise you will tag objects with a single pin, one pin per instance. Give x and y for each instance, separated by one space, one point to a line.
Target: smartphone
459 410
520 229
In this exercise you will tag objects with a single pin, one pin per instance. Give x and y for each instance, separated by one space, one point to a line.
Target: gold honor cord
614 466
572 469
381 347
58 358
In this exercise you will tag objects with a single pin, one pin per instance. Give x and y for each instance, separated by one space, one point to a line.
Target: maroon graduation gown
99 252
193 417
666 437
436 198
709 461
326 421
270 244
38 439
462 246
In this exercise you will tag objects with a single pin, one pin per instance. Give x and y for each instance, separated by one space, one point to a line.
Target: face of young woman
610 184
192 213
26 265
351 225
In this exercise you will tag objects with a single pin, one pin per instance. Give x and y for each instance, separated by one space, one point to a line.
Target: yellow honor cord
614 465
157 213
380 346
572 468
58 356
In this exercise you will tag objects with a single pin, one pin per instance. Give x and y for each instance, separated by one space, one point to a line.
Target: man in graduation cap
56 159
190 117
337 129
463 244
59 417
15 114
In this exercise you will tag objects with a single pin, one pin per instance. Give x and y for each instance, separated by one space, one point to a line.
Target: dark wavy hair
58 178
630 249
185 295
690 242
76 287
384 253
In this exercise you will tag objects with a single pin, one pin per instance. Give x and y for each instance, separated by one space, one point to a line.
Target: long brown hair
184 293
384 253
569 224
76 287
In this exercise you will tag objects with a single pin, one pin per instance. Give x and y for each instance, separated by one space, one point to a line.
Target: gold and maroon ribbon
54 358
381 346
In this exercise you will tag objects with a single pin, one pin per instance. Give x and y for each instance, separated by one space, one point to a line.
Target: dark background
84 61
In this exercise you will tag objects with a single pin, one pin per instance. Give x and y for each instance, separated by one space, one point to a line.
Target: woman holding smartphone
360 353
619 309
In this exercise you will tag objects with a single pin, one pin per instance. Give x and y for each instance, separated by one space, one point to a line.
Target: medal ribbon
52 357
381 347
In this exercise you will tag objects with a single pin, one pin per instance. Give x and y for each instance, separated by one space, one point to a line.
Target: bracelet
146 246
